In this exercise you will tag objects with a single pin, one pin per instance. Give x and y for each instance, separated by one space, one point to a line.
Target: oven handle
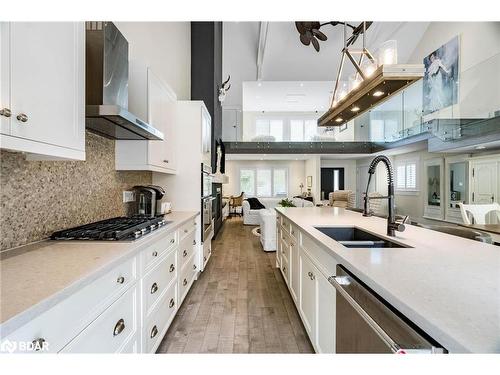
336 282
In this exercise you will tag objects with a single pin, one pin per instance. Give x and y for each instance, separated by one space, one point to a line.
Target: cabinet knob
154 332
5 112
184 282
194 242
172 240
185 230
22 117
155 253
165 161
120 280
172 268
172 303
311 275
154 288
194 266
184 253
119 327
38 344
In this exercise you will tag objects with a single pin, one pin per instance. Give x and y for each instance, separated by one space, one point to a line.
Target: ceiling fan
310 32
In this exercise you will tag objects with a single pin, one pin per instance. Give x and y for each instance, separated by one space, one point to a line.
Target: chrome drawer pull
38 344
172 240
154 288
120 280
119 327
311 275
172 303
154 332
184 253
5 112
194 266
194 242
184 282
172 268
22 117
155 253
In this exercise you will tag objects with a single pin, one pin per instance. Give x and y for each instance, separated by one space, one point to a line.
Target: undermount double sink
352 237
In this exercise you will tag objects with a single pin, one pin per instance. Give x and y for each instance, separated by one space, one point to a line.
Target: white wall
296 174
312 168
166 48
479 57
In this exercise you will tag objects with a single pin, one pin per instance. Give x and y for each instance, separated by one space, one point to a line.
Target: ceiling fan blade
318 34
315 44
305 40
300 27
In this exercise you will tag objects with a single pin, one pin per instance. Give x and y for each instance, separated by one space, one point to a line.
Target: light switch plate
128 196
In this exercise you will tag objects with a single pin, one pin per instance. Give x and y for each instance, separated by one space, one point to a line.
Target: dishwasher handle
337 282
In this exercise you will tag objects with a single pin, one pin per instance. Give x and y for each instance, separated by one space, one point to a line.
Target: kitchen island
447 286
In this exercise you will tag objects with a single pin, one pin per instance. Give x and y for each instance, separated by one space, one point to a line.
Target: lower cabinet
127 310
307 280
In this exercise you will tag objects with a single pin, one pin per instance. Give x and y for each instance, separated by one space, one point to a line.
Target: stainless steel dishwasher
367 324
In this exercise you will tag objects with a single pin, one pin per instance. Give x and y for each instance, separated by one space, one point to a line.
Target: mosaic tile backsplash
40 197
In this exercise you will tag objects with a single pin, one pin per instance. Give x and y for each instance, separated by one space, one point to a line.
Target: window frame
406 190
272 169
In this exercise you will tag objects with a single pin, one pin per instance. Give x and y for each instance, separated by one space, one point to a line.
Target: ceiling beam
261 48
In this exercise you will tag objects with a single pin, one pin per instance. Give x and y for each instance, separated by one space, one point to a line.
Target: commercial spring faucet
392 225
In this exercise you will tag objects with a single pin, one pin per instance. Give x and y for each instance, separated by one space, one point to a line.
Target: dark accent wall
206 73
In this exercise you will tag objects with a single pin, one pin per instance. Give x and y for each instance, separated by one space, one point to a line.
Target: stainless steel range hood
106 92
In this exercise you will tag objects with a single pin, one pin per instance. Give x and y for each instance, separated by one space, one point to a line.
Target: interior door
47 82
485 184
5 120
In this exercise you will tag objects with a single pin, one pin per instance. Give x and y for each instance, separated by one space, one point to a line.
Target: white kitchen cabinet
42 71
294 270
325 317
308 295
153 101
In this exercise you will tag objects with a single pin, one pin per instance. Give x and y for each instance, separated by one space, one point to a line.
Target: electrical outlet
128 196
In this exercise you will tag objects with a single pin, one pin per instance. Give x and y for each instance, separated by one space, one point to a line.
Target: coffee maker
146 200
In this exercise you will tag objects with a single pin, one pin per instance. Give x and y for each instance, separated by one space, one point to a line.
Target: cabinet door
308 294
47 82
325 341
5 107
294 270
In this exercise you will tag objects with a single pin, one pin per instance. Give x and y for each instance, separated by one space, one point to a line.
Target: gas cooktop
115 229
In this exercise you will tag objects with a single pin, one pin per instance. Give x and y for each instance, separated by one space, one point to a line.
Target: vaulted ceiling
286 59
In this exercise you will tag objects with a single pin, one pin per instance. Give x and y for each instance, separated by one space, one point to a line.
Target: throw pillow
255 204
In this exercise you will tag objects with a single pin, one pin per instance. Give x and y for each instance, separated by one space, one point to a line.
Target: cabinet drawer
156 325
112 330
63 322
187 228
186 249
188 274
156 282
155 251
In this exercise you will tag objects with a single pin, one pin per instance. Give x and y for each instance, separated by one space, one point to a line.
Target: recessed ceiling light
480 147
378 93
355 109
338 119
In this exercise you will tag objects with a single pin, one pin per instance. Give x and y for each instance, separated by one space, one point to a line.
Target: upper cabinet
155 102
42 92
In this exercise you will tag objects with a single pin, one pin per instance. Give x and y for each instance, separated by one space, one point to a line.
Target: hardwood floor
239 304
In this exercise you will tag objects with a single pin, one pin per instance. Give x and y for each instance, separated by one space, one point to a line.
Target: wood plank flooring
239 304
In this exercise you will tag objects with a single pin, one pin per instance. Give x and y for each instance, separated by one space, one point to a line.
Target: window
264 182
269 127
296 130
406 176
247 181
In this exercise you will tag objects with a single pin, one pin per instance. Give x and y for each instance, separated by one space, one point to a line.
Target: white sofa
251 217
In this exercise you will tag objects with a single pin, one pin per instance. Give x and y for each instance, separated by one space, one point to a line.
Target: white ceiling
287 59
280 96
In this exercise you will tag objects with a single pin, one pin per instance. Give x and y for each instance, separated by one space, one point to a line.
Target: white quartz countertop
447 285
35 277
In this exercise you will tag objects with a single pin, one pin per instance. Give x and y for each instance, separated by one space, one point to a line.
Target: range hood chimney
106 90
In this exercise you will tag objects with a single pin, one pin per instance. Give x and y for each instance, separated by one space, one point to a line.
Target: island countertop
35 277
448 286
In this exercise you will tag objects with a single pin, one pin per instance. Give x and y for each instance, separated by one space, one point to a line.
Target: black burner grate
118 228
